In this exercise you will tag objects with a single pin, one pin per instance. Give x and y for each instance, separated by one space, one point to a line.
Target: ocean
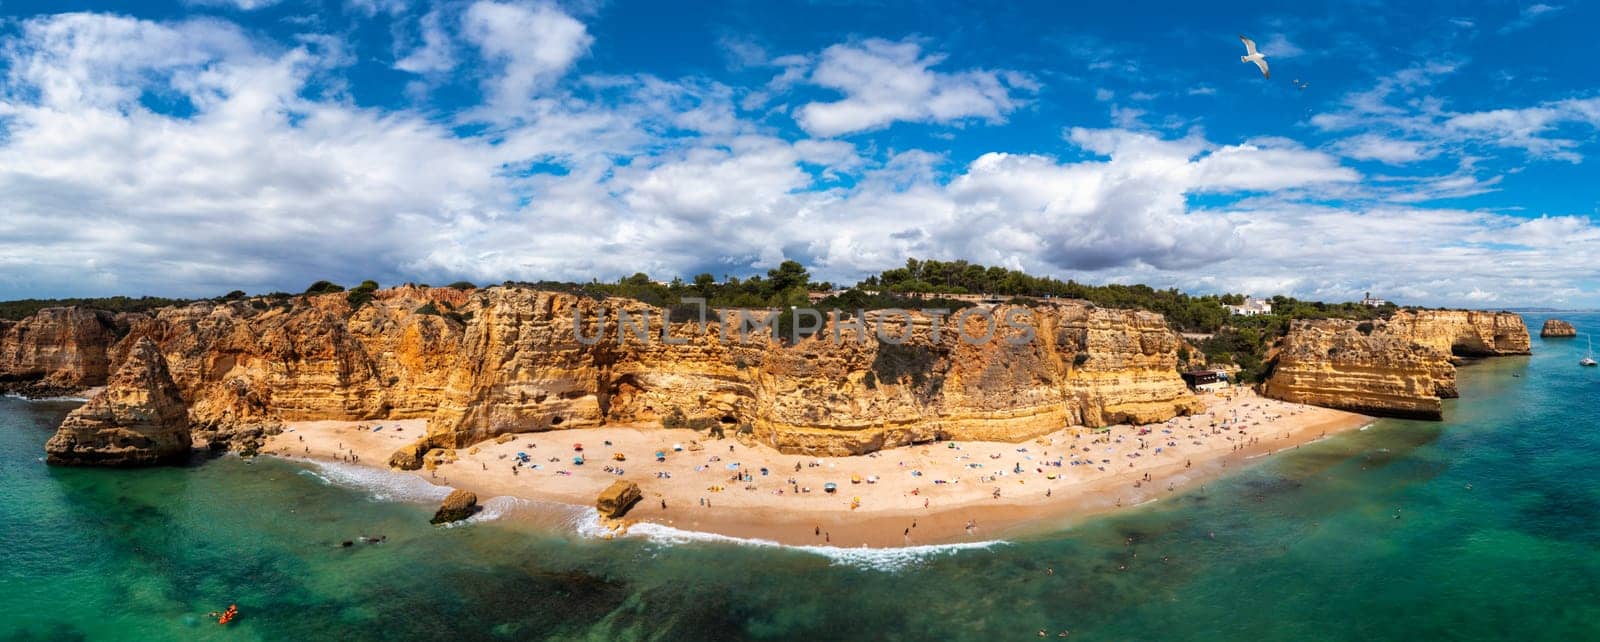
1484 526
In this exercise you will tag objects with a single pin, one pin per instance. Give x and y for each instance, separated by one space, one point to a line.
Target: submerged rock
458 505
617 498
138 420
1557 328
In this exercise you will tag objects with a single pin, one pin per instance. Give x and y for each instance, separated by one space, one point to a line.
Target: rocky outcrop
1556 328
138 420
1402 367
483 363
458 505
617 499
57 351
1463 333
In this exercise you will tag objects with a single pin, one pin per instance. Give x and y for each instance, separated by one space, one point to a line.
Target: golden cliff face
57 351
821 395
510 361
1401 367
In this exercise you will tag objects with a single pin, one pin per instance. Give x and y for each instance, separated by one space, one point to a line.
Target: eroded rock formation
1400 367
138 420
1556 328
483 363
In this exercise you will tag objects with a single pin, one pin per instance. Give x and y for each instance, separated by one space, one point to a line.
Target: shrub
429 308
462 285
1365 327
324 287
1080 359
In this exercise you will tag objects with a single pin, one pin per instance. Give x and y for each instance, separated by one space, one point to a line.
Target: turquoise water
1484 526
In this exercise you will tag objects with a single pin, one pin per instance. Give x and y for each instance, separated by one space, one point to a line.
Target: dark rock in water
138 420
1556 328
617 498
347 544
457 506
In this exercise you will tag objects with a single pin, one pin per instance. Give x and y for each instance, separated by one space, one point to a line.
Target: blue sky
1439 153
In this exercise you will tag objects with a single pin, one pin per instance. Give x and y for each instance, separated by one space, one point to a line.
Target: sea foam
70 398
381 485
878 559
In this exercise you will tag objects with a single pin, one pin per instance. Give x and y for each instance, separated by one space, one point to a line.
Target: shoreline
930 494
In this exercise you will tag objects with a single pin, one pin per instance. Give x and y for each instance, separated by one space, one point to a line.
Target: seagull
1255 56
1300 84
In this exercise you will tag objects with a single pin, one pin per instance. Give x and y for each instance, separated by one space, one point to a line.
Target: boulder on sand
617 498
458 505
409 457
1557 328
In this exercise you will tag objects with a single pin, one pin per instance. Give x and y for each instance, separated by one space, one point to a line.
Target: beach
933 493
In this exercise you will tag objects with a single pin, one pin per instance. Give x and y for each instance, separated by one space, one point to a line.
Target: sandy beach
927 494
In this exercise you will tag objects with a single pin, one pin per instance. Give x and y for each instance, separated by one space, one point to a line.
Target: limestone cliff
57 351
1556 328
506 360
138 420
1403 366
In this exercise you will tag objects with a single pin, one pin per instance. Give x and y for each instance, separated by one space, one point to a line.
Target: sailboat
1588 360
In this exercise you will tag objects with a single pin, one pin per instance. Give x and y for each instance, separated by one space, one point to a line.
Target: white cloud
1393 151
533 44
262 183
1392 111
242 5
1529 15
884 82
435 53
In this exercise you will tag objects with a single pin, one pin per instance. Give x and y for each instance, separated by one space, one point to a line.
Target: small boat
1588 360
228 615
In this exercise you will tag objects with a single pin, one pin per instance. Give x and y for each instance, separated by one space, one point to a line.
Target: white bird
1254 56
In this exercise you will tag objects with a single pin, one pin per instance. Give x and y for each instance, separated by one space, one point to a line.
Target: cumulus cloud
884 82
533 45
435 53
193 157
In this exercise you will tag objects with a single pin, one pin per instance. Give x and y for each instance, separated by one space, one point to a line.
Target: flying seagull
1300 84
1255 56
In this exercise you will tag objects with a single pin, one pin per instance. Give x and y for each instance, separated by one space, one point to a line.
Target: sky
1428 153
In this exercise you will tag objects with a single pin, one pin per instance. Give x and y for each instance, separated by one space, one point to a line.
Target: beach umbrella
577 446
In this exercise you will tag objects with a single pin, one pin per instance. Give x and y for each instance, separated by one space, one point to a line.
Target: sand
928 494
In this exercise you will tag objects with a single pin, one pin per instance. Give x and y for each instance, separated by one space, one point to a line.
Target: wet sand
927 494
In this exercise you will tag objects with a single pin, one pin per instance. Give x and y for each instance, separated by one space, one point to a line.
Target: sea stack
1557 329
139 419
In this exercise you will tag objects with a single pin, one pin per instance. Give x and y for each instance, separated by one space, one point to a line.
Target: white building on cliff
1251 307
